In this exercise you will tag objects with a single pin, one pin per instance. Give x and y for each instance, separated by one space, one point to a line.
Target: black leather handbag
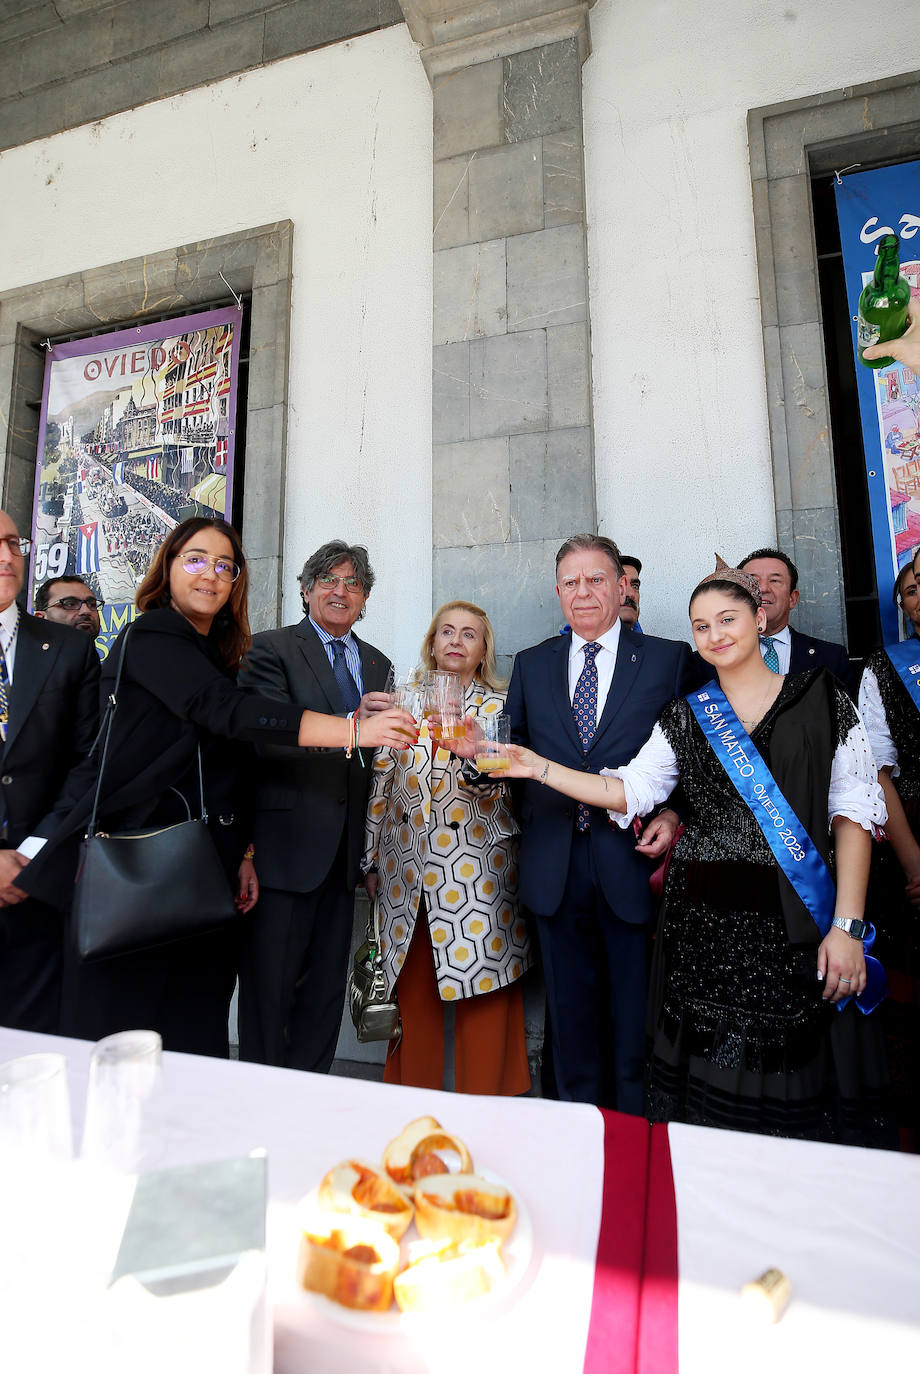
139 889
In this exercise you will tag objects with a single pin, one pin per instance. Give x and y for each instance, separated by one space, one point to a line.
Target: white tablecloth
842 1224
551 1154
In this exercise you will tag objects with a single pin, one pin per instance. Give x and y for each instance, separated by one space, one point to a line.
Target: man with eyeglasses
308 832
69 601
49 714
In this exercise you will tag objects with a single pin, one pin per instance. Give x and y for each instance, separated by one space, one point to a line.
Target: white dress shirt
605 661
9 628
782 643
854 791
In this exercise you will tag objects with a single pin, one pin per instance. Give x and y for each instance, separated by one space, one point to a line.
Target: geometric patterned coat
430 831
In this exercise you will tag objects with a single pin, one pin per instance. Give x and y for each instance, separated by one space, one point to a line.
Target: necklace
751 721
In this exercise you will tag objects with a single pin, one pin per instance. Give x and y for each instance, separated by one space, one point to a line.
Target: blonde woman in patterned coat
442 852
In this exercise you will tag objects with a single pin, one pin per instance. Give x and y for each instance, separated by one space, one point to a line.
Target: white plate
516 1253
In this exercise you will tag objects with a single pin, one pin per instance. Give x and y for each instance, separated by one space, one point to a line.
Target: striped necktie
770 656
584 705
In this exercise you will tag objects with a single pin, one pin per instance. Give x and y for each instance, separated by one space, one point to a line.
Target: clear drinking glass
125 1073
493 735
35 1109
444 705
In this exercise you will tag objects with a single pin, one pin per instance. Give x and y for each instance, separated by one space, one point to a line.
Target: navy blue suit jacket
649 673
806 652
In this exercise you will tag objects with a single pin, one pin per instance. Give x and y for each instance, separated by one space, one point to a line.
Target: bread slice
363 1190
412 1154
463 1207
348 1259
449 1277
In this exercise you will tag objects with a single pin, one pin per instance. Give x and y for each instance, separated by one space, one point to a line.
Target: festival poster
870 204
136 434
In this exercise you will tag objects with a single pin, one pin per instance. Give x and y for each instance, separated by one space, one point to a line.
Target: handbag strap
106 727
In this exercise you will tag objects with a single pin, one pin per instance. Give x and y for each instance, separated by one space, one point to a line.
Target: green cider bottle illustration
882 311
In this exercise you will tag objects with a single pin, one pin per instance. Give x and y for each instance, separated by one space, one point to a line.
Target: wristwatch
852 925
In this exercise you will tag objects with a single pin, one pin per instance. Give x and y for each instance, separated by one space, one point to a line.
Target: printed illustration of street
136 436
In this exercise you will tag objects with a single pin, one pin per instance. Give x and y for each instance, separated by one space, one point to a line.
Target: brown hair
487 672
730 588
230 629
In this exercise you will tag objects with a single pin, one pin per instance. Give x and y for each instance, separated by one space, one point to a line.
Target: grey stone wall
68 62
513 462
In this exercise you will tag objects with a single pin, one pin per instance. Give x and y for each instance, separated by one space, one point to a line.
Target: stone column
512 460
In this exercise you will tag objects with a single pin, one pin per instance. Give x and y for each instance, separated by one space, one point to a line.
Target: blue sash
789 841
905 659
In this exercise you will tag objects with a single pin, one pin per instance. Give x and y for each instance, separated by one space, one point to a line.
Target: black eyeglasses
16 546
71 603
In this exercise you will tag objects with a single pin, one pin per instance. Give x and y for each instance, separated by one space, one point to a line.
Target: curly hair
230 630
329 556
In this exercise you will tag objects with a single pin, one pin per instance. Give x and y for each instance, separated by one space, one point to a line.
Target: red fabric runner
614 1325
633 1326
657 1344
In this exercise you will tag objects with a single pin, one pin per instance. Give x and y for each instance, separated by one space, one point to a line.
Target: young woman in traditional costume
760 979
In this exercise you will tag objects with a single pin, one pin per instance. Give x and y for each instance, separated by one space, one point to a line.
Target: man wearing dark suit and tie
590 700
49 714
784 649
308 830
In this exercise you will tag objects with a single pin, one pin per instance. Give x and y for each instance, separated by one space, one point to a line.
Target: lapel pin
46 646
634 658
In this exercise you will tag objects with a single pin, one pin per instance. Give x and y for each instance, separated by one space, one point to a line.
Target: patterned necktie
771 657
584 706
4 696
5 683
351 697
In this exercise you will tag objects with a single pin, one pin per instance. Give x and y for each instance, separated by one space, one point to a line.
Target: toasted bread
398 1154
348 1259
365 1191
463 1207
448 1277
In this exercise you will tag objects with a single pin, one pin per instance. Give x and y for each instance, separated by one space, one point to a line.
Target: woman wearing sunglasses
178 692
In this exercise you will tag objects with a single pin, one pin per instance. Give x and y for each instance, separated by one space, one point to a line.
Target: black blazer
54 704
172 693
649 673
305 799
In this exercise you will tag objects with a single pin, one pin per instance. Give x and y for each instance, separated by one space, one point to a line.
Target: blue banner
870 204
905 659
790 843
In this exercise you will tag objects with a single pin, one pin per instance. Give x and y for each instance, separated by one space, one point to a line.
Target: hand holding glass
492 744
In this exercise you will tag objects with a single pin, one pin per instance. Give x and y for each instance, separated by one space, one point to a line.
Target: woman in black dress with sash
892 719
745 1031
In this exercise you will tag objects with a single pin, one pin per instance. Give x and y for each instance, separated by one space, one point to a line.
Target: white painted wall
339 141
683 456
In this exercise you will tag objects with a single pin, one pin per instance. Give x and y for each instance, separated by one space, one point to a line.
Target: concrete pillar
513 456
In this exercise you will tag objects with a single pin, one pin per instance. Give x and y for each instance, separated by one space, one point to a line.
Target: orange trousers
490 1049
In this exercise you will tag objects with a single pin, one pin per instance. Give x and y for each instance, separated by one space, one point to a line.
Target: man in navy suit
784 649
590 700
